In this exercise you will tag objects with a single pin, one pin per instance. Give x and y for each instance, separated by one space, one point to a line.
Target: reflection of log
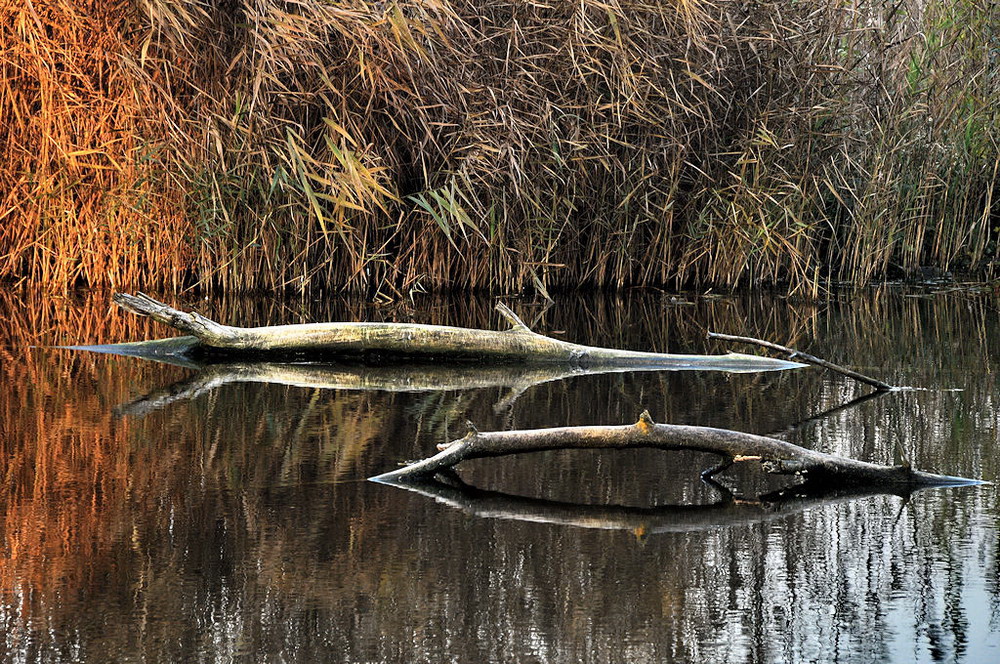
857 401
403 377
453 492
519 344
775 456
175 350
879 385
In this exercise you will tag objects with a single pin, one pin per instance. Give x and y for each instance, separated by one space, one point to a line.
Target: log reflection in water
407 377
451 490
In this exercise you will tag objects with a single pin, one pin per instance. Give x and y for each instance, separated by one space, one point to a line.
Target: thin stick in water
809 359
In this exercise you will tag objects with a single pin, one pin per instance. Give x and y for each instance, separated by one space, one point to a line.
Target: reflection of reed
67 465
238 504
32 319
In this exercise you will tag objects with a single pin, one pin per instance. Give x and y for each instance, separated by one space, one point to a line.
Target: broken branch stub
518 344
775 456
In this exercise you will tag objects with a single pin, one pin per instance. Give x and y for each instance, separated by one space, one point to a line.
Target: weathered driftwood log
793 354
775 456
519 344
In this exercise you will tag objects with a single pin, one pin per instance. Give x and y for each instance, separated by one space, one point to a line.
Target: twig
810 359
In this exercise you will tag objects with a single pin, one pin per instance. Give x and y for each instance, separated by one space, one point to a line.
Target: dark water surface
153 513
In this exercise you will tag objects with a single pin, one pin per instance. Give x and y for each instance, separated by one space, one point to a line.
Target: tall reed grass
394 147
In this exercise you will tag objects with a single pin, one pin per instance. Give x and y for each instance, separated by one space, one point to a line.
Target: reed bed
79 195
397 147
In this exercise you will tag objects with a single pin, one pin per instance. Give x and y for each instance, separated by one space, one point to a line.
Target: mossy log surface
518 344
775 456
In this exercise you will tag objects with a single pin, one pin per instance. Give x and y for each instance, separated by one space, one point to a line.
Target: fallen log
774 456
519 344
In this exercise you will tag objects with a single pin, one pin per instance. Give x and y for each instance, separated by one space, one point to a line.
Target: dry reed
405 146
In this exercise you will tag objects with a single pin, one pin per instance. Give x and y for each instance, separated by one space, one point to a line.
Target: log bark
775 456
518 344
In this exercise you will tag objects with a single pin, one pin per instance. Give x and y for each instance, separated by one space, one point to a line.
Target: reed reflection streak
229 526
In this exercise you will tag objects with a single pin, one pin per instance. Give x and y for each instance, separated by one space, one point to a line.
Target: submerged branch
809 359
774 456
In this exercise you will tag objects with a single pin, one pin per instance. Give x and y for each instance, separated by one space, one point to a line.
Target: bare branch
517 324
774 456
809 359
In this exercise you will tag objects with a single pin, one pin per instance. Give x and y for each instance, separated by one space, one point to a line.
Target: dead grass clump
79 201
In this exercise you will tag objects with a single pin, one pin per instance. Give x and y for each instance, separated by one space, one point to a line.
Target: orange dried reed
78 195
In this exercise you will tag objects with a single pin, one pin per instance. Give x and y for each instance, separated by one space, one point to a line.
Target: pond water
156 513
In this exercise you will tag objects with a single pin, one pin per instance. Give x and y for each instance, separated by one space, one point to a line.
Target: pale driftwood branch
775 456
207 331
809 359
518 344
